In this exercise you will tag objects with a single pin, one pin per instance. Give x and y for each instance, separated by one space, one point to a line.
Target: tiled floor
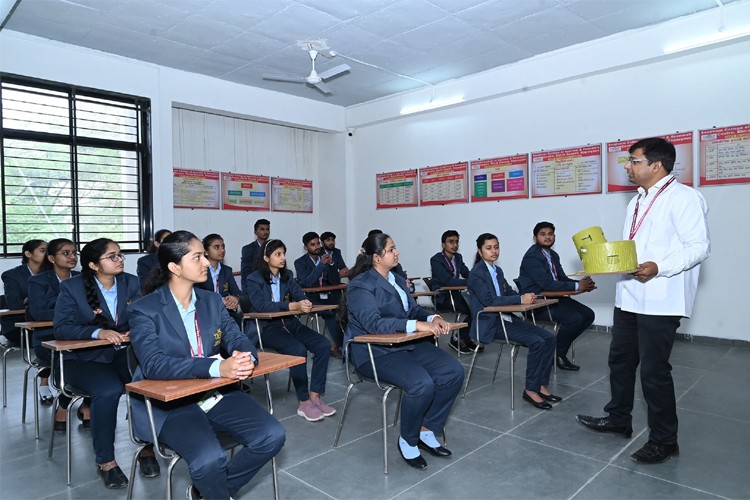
497 453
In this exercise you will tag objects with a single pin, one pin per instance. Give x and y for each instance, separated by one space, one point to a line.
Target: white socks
407 450
428 438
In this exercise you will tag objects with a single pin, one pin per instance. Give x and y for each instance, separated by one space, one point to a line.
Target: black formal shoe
440 451
602 424
550 398
564 363
459 345
114 478
46 399
543 405
655 453
149 466
85 422
473 345
416 462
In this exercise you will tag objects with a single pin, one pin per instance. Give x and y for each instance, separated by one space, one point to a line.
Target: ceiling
391 45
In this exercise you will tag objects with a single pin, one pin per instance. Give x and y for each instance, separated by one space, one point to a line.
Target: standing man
541 272
315 269
250 252
667 221
329 247
448 269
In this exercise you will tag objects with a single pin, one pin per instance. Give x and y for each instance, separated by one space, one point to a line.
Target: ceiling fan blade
285 78
329 73
323 87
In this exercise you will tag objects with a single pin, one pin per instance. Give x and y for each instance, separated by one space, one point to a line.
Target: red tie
217 284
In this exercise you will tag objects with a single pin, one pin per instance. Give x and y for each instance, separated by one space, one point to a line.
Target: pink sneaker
309 411
326 410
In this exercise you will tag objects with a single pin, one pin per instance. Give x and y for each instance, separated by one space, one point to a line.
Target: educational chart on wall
396 189
245 192
569 171
617 157
195 189
291 195
503 178
725 155
443 184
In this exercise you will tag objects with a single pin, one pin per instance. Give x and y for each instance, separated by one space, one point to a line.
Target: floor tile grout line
308 484
666 480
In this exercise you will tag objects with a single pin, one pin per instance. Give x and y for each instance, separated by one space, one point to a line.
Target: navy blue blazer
443 276
43 291
535 275
338 259
482 294
309 275
16 285
261 297
248 262
146 264
227 283
374 306
75 320
161 345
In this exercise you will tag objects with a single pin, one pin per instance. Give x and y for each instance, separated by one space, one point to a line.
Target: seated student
448 269
220 278
541 272
149 262
398 269
315 269
273 288
94 305
251 251
487 287
329 247
377 302
16 285
177 333
43 291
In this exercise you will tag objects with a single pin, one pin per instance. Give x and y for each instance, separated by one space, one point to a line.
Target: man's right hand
586 284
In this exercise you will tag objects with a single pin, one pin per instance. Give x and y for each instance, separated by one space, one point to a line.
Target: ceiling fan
314 79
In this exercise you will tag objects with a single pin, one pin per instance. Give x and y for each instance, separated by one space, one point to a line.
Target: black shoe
46 399
149 466
114 478
85 422
440 451
460 346
336 352
192 493
473 345
550 398
542 405
655 453
602 424
564 363
416 462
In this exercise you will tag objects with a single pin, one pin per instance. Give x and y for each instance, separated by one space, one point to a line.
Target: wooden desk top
74 345
400 338
324 289
12 312
30 325
285 314
560 293
452 288
424 294
520 307
169 390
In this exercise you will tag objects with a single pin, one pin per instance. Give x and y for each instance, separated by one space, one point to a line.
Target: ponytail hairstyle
30 246
53 247
210 239
480 241
172 249
268 248
158 237
373 245
92 252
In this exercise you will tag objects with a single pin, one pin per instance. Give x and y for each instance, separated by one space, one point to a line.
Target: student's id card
324 296
209 401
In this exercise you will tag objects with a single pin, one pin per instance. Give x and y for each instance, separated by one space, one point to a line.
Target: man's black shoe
459 345
417 462
114 478
602 424
564 363
655 453
440 451
473 345
149 466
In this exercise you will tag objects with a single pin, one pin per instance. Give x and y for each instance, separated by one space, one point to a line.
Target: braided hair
92 252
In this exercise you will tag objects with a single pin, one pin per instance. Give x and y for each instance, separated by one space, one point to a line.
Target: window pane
37 110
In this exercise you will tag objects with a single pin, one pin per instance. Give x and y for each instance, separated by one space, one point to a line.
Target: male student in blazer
328 239
315 269
262 230
541 271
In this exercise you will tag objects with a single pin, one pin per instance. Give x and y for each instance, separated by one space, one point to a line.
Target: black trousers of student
574 318
191 432
541 344
648 340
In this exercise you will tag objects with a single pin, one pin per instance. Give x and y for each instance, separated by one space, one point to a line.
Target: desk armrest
74 345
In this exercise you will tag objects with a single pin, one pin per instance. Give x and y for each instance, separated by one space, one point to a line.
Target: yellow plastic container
611 257
586 237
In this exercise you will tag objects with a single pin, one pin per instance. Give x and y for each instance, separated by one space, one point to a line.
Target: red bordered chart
443 184
564 172
195 189
503 178
725 155
245 192
396 189
291 195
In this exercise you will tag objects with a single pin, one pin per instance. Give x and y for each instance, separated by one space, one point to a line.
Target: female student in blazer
378 301
487 287
273 288
149 262
16 285
94 305
177 332
43 291
220 278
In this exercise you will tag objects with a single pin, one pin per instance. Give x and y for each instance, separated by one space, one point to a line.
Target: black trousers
574 318
648 340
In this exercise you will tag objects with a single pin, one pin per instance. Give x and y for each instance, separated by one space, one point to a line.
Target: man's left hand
646 271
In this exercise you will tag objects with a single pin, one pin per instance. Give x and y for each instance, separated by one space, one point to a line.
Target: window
76 164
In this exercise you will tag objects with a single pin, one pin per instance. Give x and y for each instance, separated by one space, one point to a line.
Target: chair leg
52 427
133 465
36 405
471 370
275 477
385 430
5 377
170 468
67 439
497 363
398 407
25 393
513 354
289 382
343 414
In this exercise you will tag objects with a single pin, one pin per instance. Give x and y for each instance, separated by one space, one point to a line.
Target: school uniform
16 286
486 290
288 335
451 272
169 346
338 259
311 274
429 376
223 283
100 372
248 263
43 291
146 264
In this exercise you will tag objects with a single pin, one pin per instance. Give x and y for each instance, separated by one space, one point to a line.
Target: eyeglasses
634 161
68 253
114 257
